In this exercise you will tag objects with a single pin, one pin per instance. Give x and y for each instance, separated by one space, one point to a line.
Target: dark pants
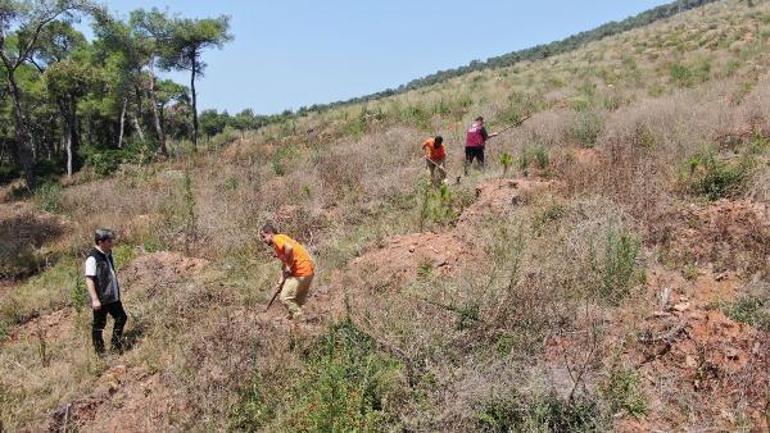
115 310
472 153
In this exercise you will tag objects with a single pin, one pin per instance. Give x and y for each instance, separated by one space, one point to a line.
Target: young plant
506 160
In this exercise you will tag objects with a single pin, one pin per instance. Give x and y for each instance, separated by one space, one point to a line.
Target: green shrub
468 315
520 105
506 160
622 391
105 162
541 157
227 136
688 76
438 205
680 75
344 388
549 413
708 176
281 158
619 271
48 197
752 310
417 116
79 292
586 128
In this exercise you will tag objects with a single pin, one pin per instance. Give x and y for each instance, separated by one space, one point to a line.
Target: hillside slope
613 278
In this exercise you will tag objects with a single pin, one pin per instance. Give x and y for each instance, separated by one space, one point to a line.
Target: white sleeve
90 267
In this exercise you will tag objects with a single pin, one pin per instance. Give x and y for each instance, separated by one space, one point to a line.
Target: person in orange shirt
435 158
298 269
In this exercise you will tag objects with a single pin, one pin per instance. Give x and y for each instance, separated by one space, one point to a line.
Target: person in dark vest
104 290
475 140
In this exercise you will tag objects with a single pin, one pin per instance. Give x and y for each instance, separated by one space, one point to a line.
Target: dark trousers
115 310
472 153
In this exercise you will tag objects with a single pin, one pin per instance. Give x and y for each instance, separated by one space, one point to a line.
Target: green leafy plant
708 176
619 270
546 413
79 292
506 160
48 196
586 128
622 390
343 389
750 309
438 205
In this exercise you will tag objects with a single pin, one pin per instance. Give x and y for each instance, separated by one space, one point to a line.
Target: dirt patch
123 400
697 355
157 270
498 196
403 258
50 327
730 235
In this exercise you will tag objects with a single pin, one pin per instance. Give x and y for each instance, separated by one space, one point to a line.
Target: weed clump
706 175
586 128
550 413
345 387
753 308
622 391
619 271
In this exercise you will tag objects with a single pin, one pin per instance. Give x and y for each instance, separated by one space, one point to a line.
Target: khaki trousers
294 294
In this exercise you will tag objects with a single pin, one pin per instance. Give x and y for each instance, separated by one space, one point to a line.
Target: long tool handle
280 287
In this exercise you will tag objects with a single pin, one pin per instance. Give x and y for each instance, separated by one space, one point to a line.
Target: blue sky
291 53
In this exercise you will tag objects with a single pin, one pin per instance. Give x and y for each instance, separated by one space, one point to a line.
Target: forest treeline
66 100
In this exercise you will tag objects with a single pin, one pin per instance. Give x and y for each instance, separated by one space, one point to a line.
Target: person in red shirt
435 159
476 139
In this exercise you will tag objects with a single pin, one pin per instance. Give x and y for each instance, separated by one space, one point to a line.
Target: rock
681 307
691 362
732 353
411 248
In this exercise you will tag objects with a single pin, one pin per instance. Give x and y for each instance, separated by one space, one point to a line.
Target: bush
48 197
222 139
622 391
547 413
586 128
619 271
519 106
506 160
713 178
105 162
752 310
438 206
343 389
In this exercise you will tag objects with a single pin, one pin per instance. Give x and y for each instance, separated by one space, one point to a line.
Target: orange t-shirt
301 265
431 152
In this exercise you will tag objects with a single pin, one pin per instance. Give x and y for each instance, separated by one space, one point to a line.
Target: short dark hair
268 228
480 119
101 235
438 140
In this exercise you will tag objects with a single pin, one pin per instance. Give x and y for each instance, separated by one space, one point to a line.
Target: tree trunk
122 123
156 116
22 144
194 103
137 126
72 140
